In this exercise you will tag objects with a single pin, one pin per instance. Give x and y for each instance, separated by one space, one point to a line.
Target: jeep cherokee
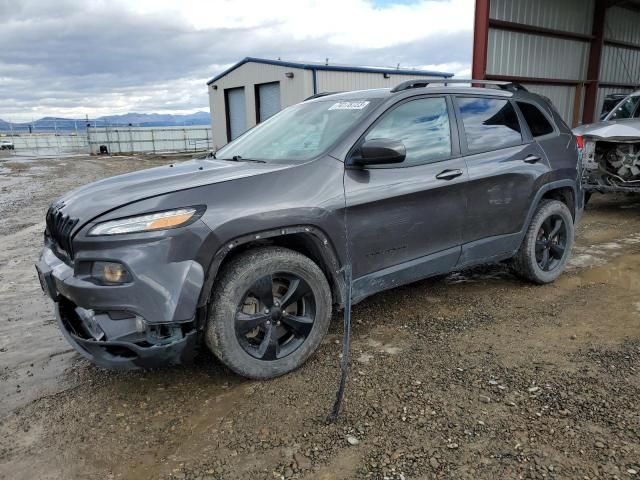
246 251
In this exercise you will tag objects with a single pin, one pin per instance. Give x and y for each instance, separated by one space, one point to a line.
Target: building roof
334 68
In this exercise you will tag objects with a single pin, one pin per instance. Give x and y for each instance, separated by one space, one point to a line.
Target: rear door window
489 123
538 123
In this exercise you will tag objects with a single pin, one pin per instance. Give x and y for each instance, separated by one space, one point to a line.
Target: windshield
625 109
298 133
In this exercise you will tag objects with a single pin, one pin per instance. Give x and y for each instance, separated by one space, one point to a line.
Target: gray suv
246 251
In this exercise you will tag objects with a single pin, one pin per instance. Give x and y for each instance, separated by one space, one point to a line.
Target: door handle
449 174
531 159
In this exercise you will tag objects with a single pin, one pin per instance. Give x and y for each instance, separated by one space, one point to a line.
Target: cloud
75 57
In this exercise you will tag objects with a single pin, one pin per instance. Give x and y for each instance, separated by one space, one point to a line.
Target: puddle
620 272
583 260
601 253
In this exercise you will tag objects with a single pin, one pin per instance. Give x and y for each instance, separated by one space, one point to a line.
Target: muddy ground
477 375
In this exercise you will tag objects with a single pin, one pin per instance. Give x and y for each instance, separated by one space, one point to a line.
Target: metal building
573 51
254 89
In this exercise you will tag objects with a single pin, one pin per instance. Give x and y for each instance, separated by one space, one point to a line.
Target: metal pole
106 131
153 141
55 127
12 139
184 133
88 127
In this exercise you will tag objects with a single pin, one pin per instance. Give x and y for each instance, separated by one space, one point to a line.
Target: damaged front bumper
611 156
111 337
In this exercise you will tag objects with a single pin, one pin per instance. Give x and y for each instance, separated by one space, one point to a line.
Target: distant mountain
47 124
157 119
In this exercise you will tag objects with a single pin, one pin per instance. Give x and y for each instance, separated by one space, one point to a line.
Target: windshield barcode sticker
349 105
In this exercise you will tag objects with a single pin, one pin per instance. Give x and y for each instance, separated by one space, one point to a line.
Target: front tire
271 308
547 244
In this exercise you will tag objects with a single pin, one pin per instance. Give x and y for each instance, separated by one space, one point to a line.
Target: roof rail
509 86
318 95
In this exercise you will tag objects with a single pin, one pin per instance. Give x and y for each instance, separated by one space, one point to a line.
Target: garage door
268 100
236 113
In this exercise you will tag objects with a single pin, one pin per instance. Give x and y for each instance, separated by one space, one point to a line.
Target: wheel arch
305 239
562 190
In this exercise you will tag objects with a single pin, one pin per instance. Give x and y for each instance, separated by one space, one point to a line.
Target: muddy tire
270 310
547 244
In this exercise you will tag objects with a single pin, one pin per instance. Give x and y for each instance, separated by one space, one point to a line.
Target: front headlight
145 223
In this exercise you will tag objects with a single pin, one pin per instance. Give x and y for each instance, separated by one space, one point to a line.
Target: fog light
110 272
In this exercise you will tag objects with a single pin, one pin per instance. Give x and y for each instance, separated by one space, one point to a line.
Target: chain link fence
73 137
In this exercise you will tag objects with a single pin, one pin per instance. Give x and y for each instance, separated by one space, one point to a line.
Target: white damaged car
611 149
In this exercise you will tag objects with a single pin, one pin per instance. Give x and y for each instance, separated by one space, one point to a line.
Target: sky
71 58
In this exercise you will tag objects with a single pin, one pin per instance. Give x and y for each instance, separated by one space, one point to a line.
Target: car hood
94 199
628 129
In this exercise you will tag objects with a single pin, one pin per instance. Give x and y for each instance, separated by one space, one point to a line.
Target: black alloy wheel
551 243
275 316
546 246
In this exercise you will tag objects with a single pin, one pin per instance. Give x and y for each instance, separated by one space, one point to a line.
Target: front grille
59 228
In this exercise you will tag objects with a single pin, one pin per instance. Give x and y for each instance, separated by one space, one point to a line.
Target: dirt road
478 375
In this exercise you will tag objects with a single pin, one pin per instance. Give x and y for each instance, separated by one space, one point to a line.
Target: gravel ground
476 375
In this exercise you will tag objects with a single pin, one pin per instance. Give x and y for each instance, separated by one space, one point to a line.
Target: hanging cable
346 333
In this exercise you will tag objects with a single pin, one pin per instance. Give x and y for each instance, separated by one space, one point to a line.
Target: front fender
323 246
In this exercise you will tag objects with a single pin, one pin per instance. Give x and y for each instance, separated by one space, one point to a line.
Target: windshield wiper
238 158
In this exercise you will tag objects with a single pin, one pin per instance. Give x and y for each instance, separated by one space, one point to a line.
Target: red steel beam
480 40
634 86
536 80
593 69
545 32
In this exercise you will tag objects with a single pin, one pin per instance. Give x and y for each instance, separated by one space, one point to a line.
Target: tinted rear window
489 123
538 123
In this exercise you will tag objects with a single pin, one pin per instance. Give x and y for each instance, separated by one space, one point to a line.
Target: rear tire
547 244
271 308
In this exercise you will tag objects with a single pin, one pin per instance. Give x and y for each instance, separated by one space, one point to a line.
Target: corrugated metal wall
529 55
567 15
620 64
522 54
330 81
623 24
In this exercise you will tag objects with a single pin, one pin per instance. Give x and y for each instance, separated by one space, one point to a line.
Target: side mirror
378 151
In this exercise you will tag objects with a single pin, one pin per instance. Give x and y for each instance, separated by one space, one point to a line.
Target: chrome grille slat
60 227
